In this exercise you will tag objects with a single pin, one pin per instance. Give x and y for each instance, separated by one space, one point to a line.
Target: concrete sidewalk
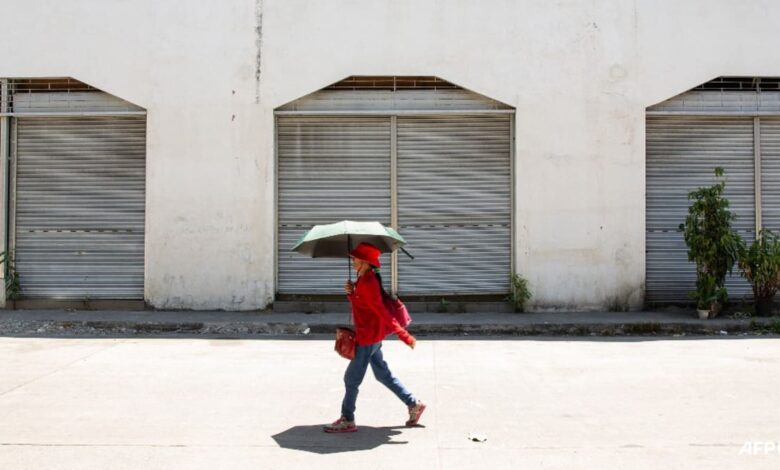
248 324
259 404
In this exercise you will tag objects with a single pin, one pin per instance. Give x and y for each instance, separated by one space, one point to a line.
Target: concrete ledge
249 324
444 306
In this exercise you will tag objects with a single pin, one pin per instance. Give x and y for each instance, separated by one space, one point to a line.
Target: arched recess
418 153
731 122
76 190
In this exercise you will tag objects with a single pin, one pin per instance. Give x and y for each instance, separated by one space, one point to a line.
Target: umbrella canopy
337 240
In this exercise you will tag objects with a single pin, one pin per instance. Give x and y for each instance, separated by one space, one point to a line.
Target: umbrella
339 239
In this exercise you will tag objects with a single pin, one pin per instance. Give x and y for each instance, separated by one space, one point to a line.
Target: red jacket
372 320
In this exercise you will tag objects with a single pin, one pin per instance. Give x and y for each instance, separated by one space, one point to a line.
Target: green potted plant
709 296
712 243
760 265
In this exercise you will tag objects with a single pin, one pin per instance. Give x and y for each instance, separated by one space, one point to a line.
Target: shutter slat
454 204
80 207
330 169
770 174
682 153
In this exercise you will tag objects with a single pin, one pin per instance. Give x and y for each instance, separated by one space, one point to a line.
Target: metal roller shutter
682 152
770 173
79 212
454 203
330 169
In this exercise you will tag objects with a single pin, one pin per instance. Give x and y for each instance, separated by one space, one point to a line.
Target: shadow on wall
313 439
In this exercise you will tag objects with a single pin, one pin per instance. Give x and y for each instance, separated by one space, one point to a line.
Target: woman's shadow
313 439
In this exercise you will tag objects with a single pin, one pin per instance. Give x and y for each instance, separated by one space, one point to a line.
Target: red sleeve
371 298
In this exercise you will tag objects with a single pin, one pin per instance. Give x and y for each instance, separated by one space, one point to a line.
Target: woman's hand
413 343
349 287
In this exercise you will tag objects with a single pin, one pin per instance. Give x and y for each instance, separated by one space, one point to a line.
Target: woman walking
372 324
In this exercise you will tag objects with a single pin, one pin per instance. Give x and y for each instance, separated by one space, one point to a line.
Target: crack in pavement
314 446
200 446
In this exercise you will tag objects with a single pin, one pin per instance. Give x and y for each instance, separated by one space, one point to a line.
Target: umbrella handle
407 253
349 262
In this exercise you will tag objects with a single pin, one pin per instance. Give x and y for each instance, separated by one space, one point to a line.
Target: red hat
368 253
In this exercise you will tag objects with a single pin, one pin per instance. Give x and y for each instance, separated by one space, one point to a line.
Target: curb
104 328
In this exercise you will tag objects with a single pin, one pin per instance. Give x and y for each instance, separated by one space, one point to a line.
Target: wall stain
258 45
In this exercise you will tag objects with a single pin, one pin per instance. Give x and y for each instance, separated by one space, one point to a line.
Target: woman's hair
385 295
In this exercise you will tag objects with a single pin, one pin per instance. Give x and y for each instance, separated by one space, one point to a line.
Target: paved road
239 404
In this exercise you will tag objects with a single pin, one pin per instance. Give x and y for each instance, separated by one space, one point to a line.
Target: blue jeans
356 370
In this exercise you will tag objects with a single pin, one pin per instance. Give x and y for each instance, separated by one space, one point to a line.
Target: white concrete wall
580 75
